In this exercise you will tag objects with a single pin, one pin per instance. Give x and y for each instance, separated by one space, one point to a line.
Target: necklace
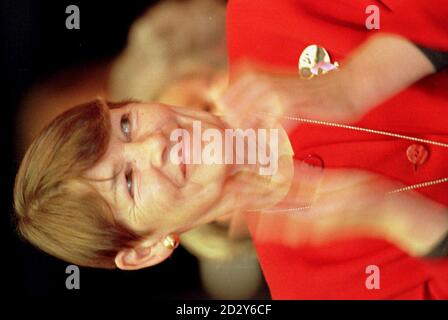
372 131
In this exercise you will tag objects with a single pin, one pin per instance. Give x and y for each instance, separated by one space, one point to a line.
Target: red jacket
275 33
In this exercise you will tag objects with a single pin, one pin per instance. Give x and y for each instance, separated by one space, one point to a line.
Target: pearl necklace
424 184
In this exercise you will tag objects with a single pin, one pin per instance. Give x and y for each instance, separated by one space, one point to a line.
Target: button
417 155
313 61
314 161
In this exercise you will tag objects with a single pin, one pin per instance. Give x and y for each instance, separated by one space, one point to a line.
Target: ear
142 255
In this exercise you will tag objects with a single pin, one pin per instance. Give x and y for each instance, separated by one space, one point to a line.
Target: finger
236 89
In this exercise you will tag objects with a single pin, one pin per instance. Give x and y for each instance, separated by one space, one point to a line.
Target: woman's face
152 193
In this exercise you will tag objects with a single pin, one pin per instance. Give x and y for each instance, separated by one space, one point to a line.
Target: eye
130 183
125 125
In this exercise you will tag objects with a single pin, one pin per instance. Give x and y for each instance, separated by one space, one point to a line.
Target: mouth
178 170
183 162
175 172
183 169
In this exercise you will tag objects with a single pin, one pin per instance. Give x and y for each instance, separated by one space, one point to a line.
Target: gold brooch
315 61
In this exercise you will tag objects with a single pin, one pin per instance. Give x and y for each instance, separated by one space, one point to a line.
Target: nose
148 151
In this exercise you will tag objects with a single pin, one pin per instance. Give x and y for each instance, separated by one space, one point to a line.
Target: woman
68 206
171 65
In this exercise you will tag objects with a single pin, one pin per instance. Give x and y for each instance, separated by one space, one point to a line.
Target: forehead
102 173
102 169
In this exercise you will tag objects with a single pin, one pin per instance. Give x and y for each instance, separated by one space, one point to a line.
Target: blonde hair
57 209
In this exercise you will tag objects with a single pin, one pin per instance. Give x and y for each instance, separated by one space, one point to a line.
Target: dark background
35 45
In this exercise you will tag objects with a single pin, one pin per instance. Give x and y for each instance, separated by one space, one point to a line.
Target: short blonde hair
57 209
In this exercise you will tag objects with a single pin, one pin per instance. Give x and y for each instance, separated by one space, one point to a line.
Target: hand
365 79
255 99
347 203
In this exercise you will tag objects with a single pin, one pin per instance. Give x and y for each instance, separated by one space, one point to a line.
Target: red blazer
275 33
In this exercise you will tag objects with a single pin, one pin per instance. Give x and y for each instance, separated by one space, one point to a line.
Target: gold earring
171 241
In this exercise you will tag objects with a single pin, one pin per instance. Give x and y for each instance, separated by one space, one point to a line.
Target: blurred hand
255 99
346 203
366 78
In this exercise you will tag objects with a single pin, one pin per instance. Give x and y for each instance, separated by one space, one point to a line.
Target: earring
171 241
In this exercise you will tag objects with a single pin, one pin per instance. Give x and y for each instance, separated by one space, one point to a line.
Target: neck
247 190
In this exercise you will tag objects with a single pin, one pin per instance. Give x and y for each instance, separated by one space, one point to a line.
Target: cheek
152 117
169 209
152 213
165 213
205 189
158 194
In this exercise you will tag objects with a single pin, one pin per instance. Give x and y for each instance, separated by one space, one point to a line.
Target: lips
175 173
183 169
164 155
183 165
179 172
